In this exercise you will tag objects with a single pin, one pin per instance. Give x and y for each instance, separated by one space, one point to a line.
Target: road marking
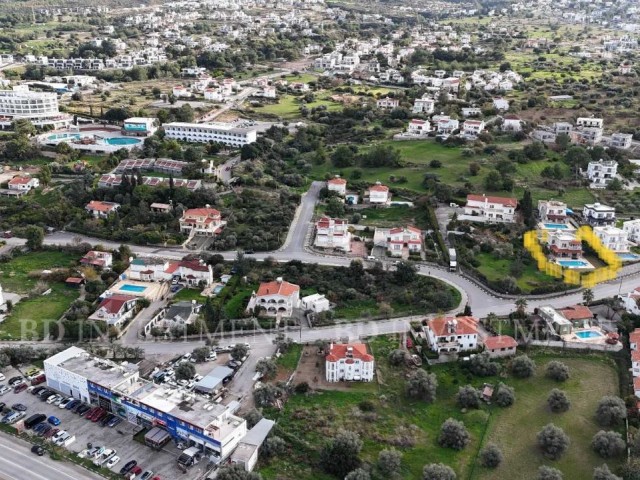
33 458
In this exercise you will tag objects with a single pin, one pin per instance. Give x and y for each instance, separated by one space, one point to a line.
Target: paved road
18 463
295 241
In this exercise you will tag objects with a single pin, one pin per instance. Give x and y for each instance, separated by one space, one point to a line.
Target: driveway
301 225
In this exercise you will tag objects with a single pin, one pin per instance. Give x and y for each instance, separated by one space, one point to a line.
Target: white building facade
225 133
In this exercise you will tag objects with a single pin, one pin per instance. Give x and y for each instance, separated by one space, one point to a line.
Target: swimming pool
555 226
122 141
584 334
573 263
132 288
628 256
217 289
64 136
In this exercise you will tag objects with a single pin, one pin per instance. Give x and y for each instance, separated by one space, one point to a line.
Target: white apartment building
211 132
419 128
40 108
600 173
597 214
424 105
632 227
333 233
472 128
350 362
452 334
552 211
615 239
491 209
622 141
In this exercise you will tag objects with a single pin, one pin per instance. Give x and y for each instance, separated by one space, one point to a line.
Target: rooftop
278 287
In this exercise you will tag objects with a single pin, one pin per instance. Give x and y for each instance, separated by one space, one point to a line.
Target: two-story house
419 128
446 125
451 334
472 128
552 211
613 238
333 233
597 214
101 209
202 221
632 227
115 310
600 173
349 362
97 259
511 123
622 141
634 346
275 298
564 245
379 194
388 102
424 105
338 185
490 208
23 183
403 239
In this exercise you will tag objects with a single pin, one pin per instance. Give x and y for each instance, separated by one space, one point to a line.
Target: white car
104 456
65 402
2 377
51 400
62 439
4 389
58 436
112 462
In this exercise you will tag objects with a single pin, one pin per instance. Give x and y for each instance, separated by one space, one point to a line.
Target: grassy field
289 361
33 313
307 421
288 106
389 217
496 269
188 294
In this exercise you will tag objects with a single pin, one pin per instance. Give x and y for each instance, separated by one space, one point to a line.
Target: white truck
453 263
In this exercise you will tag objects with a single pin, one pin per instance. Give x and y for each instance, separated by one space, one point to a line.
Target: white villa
452 334
404 238
338 185
101 209
333 233
552 211
202 221
615 239
388 102
632 227
276 298
491 209
316 303
350 362
596 214
379 194
115 309
472 128
23 183
425 105
600 173
419 128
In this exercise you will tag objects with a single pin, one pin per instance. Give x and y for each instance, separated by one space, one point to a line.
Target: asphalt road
18 463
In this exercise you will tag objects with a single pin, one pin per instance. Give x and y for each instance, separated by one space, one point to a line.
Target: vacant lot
308 421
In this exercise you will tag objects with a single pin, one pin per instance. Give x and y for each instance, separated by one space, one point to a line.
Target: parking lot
119 438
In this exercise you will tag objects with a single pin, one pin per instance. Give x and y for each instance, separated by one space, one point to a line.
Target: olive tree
548 473
611 411
273 446
453 434
523 367
491 456
468 397
438 471
236 472
553 441
397 357
239 351
608 444
505 396
340 455
482 366
267 367
557 371
558 401
185 371
358 474
603 473
422 385
389 462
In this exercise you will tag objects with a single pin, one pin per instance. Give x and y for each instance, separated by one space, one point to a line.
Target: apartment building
600 173
597 214
615 239
40 108
225 133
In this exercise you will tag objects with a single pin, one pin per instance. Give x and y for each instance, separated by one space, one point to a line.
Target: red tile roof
20 180
114 303
634 337
99 206
635 355
507 202
201 212
576 312
636 383
501 341
337 181
379 188
465 326
74 280
402 229
339 351
285 289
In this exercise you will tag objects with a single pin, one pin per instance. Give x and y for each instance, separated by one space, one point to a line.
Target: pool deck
584 268
152 291
572 337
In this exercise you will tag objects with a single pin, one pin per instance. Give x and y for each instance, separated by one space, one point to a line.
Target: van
33 420
371 258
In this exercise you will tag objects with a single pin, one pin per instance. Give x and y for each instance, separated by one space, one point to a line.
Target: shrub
422 385
389 462
553 441
505 395
482 366
453 434
548 473
468 397
523 367
397 357
491 456
558 401
340 455
608 444
611 411
438 471
603 473
557 371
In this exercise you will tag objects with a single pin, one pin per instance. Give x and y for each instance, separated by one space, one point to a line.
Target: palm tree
588 296
521 306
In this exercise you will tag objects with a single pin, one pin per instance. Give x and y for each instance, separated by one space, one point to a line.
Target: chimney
207 206
349 352
279 279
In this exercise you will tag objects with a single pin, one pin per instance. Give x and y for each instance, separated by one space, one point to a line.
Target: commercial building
349 362
211 132
139 126
118 388
40 108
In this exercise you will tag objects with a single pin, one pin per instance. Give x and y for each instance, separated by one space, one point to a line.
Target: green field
33 313
308 421
498 268
288 106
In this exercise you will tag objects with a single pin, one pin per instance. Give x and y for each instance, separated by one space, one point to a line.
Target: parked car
2 405
128 467
4 389
32 371
233 364
58 400
72 404
114 421
44 394
62 438
89 414
146 475
37 390
21 387
53 398
65 402
55 421
44 430
38 428
38 450
112 462
83 410
34 420
107 418
58 435
13 381
2 377
135 471
51 433
38 379
99 416
19 407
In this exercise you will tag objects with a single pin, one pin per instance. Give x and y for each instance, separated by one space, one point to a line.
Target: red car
20 388
51 433
99 416
96 413
89 415
39 379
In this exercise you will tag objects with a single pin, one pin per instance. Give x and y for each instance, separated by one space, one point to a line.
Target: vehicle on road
55 421
38 450
112 462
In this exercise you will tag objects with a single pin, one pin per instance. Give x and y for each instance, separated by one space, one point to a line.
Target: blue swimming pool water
573 263
218 289
588 334
628 256
555 226
122 141
60 136
132 288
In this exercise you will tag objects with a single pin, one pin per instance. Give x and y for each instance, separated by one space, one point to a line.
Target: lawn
308 421
15 273
289 361
498 268
188 294
288 106
389 217
591 378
